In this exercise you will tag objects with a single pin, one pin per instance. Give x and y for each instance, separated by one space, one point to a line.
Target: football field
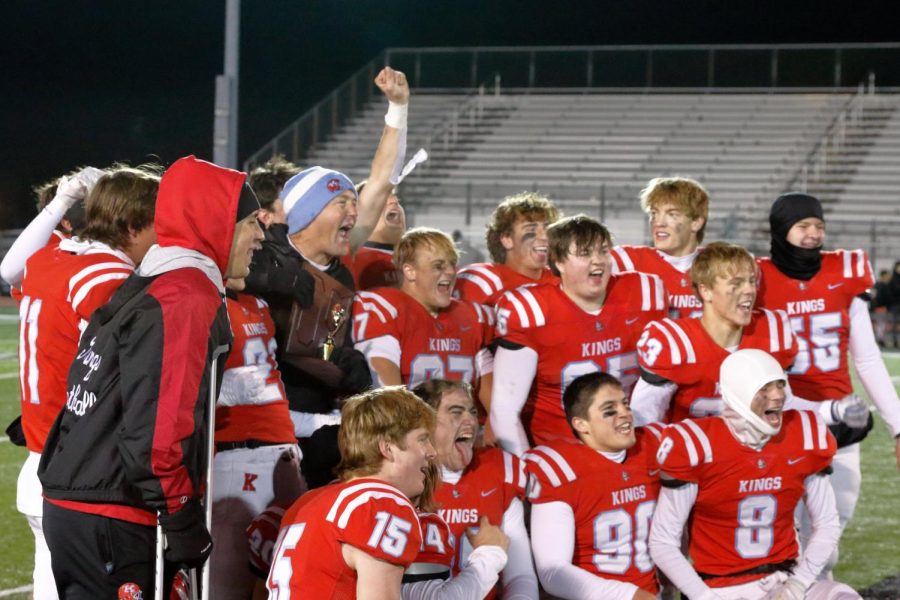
869 547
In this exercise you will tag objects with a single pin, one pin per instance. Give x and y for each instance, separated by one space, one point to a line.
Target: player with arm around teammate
739 477
550 334
678 209
353 539
476 484
593 496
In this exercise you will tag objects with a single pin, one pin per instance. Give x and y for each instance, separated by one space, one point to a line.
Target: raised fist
393 84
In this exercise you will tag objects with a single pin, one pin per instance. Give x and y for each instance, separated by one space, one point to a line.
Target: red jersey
391 324
683 302
486 488
743 516
437 541
819 314
683 352
570 342
372 266
266 417
611 503
60 291
368 514
484 283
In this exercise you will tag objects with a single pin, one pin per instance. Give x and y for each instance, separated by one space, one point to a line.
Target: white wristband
396 115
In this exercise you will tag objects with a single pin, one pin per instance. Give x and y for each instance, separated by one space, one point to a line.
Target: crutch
210 456
160 562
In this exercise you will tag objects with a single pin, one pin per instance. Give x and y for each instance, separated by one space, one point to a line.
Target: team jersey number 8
619 542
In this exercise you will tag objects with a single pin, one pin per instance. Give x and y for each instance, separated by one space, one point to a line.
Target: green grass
869 547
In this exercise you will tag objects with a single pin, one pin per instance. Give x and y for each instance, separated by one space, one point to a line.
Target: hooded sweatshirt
132 437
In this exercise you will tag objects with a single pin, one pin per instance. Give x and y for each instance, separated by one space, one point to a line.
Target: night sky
92 81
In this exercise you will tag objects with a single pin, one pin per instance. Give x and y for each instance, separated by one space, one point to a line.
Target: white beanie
741 376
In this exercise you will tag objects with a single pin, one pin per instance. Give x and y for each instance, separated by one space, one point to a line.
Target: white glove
791 589
851 411
89 176
74 189
242 386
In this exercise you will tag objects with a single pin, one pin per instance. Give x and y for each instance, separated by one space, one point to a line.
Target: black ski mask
793 261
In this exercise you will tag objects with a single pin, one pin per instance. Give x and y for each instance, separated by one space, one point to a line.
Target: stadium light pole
225 125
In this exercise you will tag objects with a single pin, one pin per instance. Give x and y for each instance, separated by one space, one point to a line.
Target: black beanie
793 261
247 203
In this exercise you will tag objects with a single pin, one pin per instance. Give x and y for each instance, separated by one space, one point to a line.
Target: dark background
93 81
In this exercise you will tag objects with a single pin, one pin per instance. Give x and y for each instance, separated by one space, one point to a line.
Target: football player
253 431
735 481
420 331
372 264
821 293
678 209
60 214
64 283
351 538
592 498
477 484
550 334
517 241
680 359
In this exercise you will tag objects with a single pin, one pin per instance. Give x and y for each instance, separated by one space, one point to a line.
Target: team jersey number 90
620 542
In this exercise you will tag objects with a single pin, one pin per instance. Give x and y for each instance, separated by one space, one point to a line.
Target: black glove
188 542
352 362
15 433
294 282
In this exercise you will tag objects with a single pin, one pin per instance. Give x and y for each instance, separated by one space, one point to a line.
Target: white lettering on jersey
638 492
806 306
763 484
459 515
602 347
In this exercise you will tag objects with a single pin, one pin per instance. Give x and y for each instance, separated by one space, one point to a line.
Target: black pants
93 556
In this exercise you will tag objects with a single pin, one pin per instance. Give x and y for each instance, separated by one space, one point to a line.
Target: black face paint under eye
528 236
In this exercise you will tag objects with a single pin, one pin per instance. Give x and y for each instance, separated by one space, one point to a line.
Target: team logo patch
333 185
625 475
455 493
598 326
684 282
249 478
130 591
761 463
802 285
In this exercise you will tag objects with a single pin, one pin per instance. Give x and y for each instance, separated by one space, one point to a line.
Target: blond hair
412 240
719 259
386 414
683 193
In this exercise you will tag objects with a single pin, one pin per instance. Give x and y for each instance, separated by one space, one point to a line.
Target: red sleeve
381 524
665 350
856 270
776 336
95 284
376 313
683 450
520 315
164 375
551 477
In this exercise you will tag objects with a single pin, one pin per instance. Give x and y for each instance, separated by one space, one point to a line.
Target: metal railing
727 66
651 68
812 166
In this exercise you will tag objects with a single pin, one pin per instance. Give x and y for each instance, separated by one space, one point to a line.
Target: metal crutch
210 456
